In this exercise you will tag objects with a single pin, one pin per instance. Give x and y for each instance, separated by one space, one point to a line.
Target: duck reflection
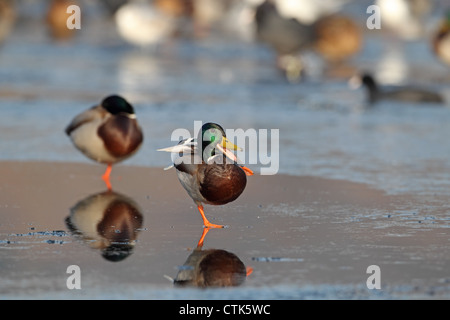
211 268
106 221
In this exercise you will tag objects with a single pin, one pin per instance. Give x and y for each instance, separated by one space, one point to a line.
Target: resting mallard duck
107 133
209 177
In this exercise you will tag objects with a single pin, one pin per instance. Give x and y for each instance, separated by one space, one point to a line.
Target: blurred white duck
405 17
307 11
140 23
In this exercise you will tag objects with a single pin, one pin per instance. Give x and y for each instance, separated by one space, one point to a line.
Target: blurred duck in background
406 18
395 93
142 24
181 11
7 19
227 18
286 35
291 27
57 19
113 5
175 8
441 40
337 38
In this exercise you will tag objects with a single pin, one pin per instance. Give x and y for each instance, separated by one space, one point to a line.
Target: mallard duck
212 177
107 133
107 221
441 42
211 268
405 94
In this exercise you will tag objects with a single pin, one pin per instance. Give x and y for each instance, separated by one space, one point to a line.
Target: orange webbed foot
206 223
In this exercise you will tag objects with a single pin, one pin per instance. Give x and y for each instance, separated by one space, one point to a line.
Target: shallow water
326 129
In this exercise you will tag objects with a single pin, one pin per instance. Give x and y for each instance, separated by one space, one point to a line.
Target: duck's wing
184 156
94 113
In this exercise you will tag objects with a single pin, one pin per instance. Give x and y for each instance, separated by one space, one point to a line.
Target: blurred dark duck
209 177
113 5
405 94
212 268
287 37
107 133
107 221
7 18
57 19
441 41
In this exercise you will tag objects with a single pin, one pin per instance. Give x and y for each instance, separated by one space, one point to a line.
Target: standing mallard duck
107 133
441 42
209 177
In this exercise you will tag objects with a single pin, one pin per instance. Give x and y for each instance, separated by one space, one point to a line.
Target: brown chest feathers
121 135
222 183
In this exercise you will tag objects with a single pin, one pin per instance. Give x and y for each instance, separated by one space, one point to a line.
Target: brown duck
212 177
107 133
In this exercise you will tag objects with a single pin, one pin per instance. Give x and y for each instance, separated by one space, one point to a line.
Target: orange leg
206 223
106 175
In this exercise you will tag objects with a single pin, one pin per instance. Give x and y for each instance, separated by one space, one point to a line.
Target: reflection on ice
108 222
211 268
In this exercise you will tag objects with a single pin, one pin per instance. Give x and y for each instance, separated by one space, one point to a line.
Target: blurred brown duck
441 41
176 8
7 18
213 180
107 133
337 37
57 19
